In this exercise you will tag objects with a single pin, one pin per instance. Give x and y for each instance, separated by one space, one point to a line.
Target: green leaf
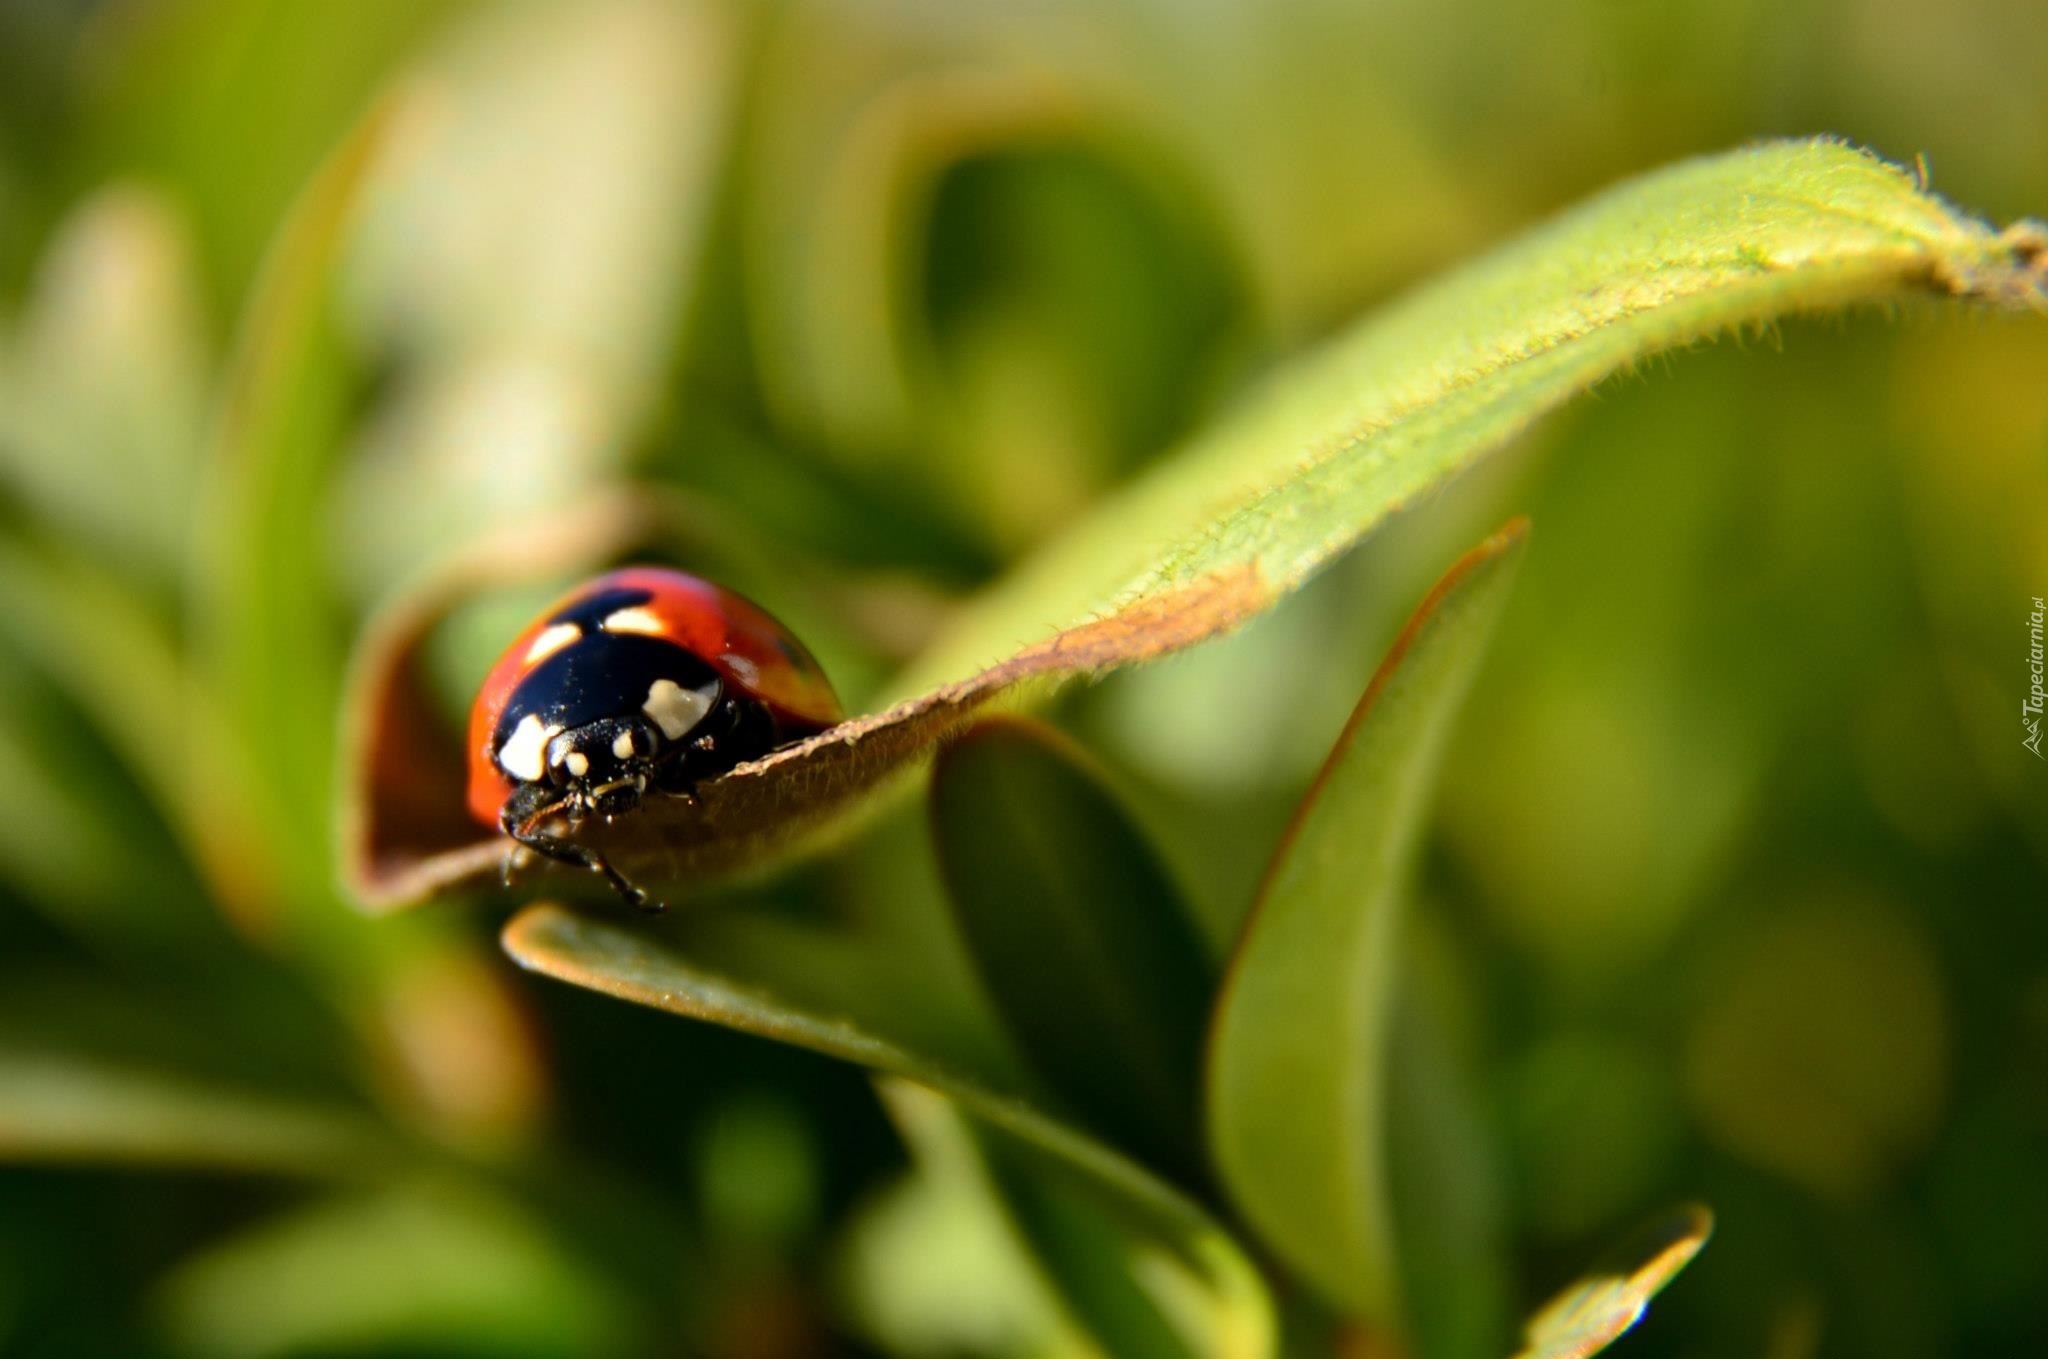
1449 1205
422 1266
932 1264
78 1111
178 91
1299 1061
1079 935
1089 1262
405 829
1596 1311
120 664
102 383
563 354
263 639
1348 434
1104 1266
1345 436
635 965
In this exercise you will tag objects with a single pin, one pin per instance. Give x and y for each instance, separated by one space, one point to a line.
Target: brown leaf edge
405 837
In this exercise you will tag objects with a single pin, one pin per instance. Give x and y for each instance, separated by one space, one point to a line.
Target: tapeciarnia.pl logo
2030 706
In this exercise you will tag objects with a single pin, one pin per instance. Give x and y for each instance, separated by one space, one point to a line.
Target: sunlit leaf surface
1298 1065
1597 1310
1345 436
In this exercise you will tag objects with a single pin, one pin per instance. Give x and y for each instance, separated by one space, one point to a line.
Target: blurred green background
1738 878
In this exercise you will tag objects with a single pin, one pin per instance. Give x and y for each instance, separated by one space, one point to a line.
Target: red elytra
756 658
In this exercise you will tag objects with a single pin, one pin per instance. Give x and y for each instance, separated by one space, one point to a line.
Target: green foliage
999 348
1079 936
1096 972
453 1271
631 965
1299 1086
1586 1317
70 1112
1346 436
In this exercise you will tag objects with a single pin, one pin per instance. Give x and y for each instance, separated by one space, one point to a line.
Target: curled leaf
404 831
406 837
1344 437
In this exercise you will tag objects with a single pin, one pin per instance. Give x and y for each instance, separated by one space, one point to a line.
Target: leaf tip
1612 1297
2012 273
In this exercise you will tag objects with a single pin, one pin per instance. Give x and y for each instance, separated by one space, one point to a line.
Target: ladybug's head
604 764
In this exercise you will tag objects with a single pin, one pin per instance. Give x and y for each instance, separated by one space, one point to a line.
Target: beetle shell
637 646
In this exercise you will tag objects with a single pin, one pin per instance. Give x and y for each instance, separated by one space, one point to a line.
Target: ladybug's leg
521 818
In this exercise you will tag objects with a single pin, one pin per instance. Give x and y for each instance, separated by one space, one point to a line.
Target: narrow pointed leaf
1080 936
1299 1061
1343 437
1450 1208
1600 1308
636 965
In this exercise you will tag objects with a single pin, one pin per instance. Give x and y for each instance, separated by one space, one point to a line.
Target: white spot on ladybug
743 670
552 638
622 745
676 709
577 763
522 755
636 619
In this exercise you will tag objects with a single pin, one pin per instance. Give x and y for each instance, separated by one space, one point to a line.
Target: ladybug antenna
521 819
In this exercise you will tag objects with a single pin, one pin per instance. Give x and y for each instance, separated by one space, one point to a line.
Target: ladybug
641 681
